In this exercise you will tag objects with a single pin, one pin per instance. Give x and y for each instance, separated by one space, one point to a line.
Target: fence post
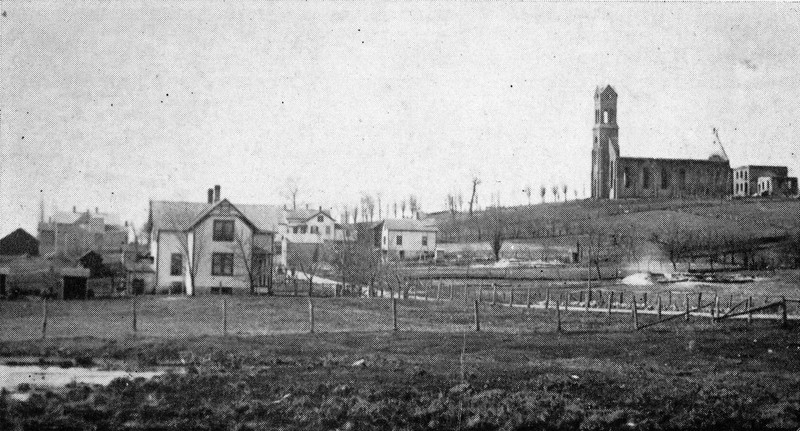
588 298
438 290
528 298
669 302
310 315
784 318
558 313
477 317
44 318
635 316
452 287
426 292
224 316
610 301
715 311
294 282
511 298
134 314
730 302
547 298
494 293
394 314
466 294
699 300
750 307
658 305
688 313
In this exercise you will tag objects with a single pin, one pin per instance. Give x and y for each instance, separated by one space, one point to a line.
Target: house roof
304 214
408 224
177 215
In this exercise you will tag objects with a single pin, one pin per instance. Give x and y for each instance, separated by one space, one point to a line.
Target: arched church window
595 140
626 178
645 177
596 115
605 117
682 178
664 178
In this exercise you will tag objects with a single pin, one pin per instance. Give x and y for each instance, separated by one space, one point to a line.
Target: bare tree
565 188
460 200
309 260
403 208
355 214
379 196
291 190
192 254
554 189
472 200
497 234
543 192
253 261
413 205
528 190
367 207
394 206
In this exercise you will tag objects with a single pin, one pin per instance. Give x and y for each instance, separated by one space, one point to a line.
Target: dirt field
663 380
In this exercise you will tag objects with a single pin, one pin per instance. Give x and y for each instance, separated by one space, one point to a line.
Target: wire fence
415 305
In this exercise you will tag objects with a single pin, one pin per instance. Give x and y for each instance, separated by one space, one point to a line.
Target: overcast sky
111 106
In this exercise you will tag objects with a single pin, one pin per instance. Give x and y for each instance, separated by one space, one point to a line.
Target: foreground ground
680 377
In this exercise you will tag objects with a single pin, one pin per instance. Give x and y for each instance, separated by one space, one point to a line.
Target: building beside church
618 177
752 180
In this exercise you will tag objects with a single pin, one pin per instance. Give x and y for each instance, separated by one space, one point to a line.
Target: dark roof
177 215
19 242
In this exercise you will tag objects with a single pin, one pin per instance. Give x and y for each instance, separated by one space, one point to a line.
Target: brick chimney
74 209
210 195
216 193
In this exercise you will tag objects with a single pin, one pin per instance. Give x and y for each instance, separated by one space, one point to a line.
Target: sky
113 104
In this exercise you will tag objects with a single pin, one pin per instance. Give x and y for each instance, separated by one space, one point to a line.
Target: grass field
435 372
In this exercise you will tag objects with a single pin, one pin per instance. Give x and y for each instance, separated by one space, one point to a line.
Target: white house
406 239
307 226
212 247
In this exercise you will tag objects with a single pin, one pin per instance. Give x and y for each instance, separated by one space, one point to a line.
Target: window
596 116
605 117
176 264
295 229
645 178
222 264
315 230
303 228
424 241
327 230
595 140
626 177
402 254
321 219
223 230
399 239
664 178
384 240
682 178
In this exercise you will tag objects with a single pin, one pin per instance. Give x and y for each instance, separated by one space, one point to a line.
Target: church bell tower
605 149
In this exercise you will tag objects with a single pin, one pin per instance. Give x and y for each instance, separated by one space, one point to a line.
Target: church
617 177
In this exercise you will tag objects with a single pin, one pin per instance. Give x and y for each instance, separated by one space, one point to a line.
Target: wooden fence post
452 287
658 305
784 318
134 314
688 312
558 314
394 314
635 316
494 293
669 302
310 316
224 316
588 298
547 298
730 302
466 294
511 298
438 290
644 300
477 317
425 295
610 301
750 307
44 318
528 298
715 311
699 300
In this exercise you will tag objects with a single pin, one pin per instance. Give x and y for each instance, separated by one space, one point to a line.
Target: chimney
216 193
320 208
96 210
74 209
306 206
211 196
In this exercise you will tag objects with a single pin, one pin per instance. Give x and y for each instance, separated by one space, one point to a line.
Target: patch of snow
638 279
